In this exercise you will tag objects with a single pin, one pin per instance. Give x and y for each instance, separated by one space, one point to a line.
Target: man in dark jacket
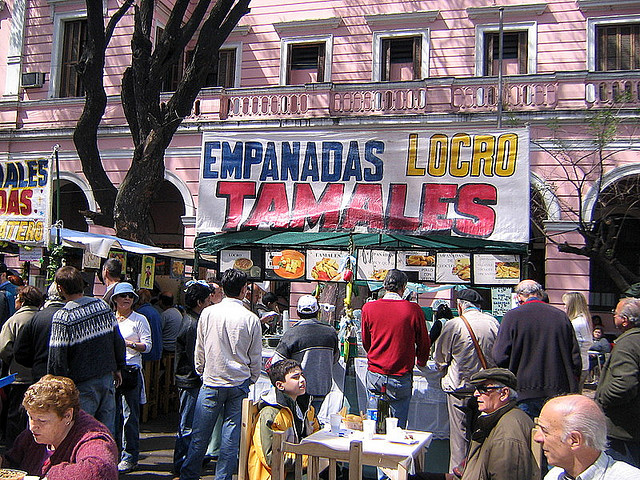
500 447
618 389
197 298
537 342
315 346
32 344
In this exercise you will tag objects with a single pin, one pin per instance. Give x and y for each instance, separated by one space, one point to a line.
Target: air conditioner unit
33 80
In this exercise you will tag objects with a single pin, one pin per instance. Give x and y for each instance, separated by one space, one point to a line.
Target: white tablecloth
427 411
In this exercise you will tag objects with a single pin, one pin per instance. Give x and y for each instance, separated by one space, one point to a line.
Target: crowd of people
73 410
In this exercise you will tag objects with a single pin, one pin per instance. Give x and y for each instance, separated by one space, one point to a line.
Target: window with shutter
618 47
514 53
401 57
305 63
75 37
174 75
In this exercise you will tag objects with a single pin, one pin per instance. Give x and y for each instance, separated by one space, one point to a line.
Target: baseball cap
307 304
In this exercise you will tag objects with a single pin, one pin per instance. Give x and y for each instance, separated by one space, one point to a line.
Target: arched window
72 202
166 213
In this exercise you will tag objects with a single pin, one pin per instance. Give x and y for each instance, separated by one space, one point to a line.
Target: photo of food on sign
287 264
375 264
327 265
244 260
418 265
453 267
496 269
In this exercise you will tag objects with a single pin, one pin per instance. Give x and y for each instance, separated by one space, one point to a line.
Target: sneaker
125 466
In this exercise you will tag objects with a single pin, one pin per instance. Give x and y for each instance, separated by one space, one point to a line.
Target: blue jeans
188 398
399 390
213 401
128 425
98 398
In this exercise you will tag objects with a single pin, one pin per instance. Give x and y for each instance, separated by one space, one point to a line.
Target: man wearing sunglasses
500 443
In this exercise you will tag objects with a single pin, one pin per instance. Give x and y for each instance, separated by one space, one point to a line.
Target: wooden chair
249 419
315 454
169 393
152 384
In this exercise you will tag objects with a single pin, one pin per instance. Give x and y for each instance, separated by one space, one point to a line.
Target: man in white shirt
228 356
573 433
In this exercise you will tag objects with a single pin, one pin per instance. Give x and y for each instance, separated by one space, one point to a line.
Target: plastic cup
392 424
335 420
369 429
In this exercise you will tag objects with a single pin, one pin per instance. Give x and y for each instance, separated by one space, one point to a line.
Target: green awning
212 243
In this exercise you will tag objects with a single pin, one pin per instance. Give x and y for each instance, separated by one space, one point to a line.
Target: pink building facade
359 65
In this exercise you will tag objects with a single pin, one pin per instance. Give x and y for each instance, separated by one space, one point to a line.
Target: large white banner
25 201
464 182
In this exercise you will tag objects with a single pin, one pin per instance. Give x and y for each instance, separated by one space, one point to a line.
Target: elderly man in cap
462 349
315 345
394 334
573 433
501 440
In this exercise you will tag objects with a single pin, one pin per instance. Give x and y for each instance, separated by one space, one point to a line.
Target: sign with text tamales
463 182
25 200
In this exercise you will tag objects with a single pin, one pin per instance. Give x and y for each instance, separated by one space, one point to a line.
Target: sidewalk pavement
157 438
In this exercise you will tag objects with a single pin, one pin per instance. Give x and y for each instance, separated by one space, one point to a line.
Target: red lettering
473 201
365 207
3 202
235 193
397 201
325 210
13 205
271 207
435 200
25 201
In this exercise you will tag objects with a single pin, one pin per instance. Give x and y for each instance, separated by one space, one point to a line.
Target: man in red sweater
394 334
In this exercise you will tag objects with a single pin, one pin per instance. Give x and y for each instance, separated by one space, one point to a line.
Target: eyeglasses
485 389
127 295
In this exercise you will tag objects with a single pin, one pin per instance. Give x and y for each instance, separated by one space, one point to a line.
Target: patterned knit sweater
85 341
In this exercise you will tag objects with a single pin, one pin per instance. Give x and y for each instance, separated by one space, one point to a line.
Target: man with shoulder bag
463 349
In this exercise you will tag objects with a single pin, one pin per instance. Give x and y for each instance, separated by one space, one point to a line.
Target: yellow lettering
458 141
506 155
39 230
438 155
412 157
483 152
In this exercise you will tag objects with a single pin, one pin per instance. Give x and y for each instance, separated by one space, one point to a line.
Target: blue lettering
290 160
310 164
43 172
231 161
12 176
270 164
22 181
353 167
252 156
370 149
210 160
327 149
32 169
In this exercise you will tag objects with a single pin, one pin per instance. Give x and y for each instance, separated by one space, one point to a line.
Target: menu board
325 265
491 269
249 261
453 267
418 265
501 301
284 264
374 264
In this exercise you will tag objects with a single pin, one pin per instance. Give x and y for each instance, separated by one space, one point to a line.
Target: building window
400 55
306 63
618 47
306 60
225 76
401 59
519 51
514 53
74 39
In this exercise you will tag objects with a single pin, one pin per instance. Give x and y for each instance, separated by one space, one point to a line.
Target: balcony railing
563 91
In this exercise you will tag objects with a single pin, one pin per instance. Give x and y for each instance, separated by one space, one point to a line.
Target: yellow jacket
276 414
